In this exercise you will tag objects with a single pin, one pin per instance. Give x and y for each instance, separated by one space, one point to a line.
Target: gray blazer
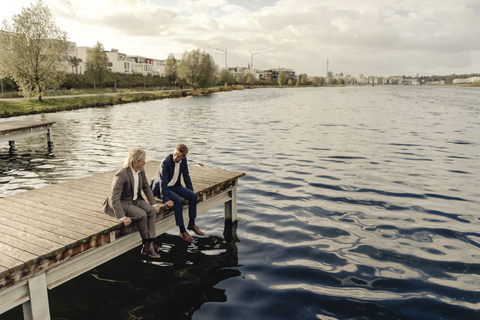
121 194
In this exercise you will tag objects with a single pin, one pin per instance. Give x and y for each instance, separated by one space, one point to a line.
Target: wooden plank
8 262
23 224
47 222
57 203
71 221
66 206
22 244
28 237
78 192
16 253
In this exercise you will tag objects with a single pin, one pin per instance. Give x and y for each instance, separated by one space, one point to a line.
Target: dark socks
182 229
191 222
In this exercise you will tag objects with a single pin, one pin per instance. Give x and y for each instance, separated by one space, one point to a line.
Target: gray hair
133 156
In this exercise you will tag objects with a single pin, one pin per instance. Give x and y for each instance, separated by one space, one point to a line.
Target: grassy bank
12 108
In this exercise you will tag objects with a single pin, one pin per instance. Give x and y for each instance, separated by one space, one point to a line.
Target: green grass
12 108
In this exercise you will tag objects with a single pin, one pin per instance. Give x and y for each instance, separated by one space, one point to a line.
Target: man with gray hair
125 201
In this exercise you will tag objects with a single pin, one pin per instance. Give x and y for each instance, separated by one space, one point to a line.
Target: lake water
358 203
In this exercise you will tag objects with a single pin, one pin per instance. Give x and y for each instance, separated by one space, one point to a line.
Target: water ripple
367 208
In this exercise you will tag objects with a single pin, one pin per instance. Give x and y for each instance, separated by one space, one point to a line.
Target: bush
123 80
13 94
119 98
196 93
9 85
100 100
184 93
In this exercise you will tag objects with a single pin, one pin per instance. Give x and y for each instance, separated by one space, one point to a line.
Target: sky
369 37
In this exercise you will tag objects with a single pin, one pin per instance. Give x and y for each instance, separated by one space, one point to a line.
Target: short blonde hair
134 155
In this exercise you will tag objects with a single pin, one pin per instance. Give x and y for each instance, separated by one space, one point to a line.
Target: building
118 61
467 80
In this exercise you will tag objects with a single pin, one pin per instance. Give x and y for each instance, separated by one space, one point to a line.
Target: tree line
34 58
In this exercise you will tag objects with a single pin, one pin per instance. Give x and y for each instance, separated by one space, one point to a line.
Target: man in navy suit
167 185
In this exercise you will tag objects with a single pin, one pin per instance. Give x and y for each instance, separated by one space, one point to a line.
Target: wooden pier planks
43 227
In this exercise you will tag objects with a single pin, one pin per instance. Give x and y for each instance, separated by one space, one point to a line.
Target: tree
250 78
304 79
74 62
299 80
282 77
97 65
322 81
33 50
316 81
171 70
240 78
197 68
290 82
342 82
208 71
225 77
332 81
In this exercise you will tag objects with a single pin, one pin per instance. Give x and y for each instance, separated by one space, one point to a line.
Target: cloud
370 37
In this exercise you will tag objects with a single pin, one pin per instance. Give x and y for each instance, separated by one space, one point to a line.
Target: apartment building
119 62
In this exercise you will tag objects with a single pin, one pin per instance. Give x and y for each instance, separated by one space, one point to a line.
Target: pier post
37 307
12 144
49 138
231 206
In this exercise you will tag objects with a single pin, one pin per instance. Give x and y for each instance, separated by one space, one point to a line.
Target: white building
119 62
467 80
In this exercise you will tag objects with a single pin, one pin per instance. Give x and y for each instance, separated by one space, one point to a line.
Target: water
358 203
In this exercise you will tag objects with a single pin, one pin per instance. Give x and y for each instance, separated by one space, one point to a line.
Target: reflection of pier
14 130
53 234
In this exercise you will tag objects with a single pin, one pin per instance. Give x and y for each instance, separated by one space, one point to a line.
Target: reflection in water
154 292
358 203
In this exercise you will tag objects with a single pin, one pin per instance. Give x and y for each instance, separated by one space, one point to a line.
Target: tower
327 68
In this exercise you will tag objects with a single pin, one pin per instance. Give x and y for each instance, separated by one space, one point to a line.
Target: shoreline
23 106
13 107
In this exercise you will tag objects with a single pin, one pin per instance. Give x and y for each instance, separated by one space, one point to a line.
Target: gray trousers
144 215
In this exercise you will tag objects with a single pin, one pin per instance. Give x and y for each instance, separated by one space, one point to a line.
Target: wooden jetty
53 234
14 130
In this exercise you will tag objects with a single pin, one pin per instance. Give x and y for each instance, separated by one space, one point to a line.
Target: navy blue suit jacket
165 174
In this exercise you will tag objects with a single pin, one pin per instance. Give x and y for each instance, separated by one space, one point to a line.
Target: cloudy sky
371 37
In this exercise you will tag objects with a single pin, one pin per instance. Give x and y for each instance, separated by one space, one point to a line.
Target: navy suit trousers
176 193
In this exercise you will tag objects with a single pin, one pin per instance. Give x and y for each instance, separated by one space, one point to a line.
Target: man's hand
126 221
169 203
157 208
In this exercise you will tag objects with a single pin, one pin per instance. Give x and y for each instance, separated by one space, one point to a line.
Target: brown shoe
195 230
186 237
150 252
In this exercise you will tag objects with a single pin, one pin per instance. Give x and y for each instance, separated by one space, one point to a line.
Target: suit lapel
130 177
140 182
